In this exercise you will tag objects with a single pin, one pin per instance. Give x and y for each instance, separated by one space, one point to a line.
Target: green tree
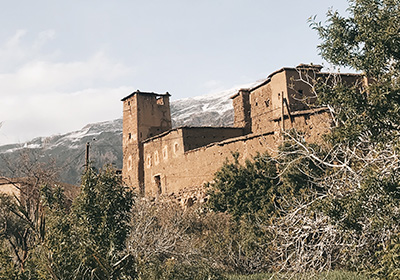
244 189
363 181
88 242
367 41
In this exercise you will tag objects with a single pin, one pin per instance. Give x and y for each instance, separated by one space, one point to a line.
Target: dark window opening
267 103
300 91
130 136
157 181
159 100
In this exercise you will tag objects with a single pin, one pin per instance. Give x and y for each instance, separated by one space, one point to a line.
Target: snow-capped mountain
68 150
105 138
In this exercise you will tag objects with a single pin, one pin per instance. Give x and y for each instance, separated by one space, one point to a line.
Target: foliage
8 269
236 246
362 182
171 269
332 275
166 237
367 41
22 216
46 238
390 260
169 242
103 208
244 189
88 242
297 170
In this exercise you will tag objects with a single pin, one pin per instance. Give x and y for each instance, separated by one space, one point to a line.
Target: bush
244 189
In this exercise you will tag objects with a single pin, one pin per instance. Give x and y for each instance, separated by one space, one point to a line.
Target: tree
361 184
85 240
367 41
22 215
244 189
89 242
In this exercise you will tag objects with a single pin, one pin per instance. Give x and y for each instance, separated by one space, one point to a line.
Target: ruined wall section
310 124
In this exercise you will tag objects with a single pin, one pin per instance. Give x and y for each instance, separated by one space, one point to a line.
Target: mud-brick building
161 160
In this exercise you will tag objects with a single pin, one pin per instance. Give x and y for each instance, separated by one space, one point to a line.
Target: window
156 158
165 152
176 147
160 100
129 163
148 161
157 183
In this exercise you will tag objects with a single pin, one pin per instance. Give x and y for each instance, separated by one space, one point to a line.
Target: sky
65 64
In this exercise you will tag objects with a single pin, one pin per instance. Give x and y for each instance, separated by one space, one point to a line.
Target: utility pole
283 113
87 156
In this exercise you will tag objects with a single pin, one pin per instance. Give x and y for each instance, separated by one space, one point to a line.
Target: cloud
43 95
41 76
44 115
44 37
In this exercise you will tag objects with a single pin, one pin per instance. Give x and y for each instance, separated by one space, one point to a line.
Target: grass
333 275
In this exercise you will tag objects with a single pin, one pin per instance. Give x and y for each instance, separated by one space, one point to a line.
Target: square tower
145 114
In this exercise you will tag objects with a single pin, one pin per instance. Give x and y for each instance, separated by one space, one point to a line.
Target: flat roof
316 67
146 93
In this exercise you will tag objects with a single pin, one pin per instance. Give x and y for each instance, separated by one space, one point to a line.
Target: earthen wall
196 167
196 137
130 142
242 110
266 103
160 160
168 170
145 115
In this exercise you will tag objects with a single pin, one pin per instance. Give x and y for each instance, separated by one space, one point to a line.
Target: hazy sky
64 64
